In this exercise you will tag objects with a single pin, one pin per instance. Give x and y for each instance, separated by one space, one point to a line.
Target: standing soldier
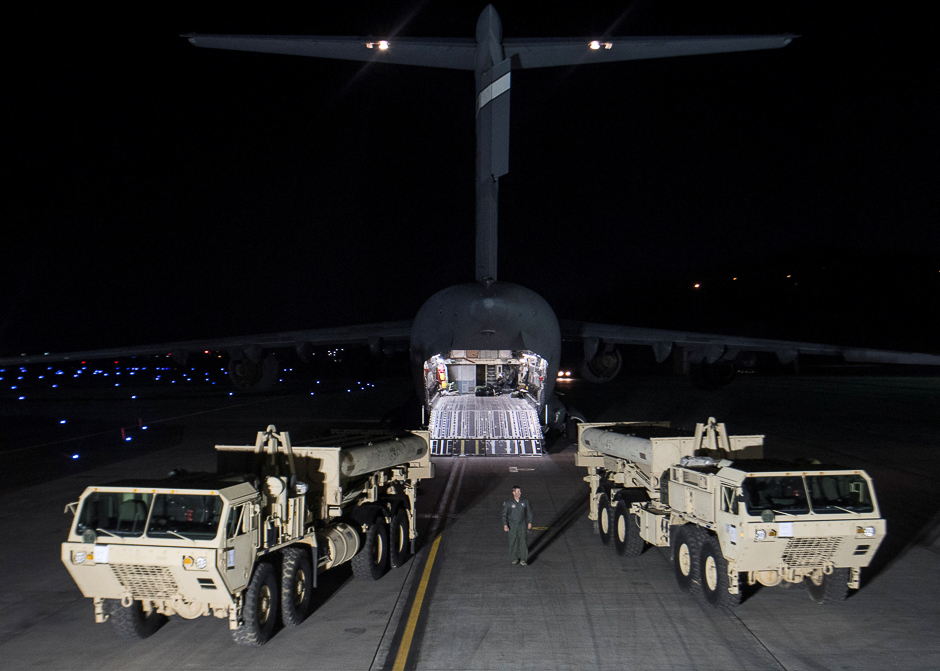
517 519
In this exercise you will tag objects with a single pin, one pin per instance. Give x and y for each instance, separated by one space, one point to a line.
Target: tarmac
460 604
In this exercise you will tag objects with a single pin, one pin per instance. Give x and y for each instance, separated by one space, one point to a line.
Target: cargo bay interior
485 402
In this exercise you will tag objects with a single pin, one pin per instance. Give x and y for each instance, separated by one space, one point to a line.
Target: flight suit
517 515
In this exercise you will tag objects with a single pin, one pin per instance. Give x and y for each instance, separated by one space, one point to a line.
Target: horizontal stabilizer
456 54
548 52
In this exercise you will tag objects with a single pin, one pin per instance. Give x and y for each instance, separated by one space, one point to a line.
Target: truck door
728 521
240 546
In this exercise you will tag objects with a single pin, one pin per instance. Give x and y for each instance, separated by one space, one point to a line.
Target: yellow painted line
539 528
405 647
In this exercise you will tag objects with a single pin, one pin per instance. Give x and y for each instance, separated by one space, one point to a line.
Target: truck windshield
784 494
121 514
833 494
192 516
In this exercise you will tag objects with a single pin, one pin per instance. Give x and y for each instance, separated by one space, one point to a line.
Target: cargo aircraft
485 354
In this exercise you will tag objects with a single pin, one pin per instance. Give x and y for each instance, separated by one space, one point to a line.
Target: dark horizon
163 192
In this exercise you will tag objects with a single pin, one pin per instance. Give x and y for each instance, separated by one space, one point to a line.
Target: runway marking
404 648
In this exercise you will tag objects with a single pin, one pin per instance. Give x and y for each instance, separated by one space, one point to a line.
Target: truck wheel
686 548
713 569
133 623
398 539
259 609
296 579
372 559
627 540
604 524
829 588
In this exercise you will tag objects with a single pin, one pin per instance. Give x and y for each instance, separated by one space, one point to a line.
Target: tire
398 539
713 569
831 588
605 524
627 539
686 548
296 585
132 623
372 559
259 609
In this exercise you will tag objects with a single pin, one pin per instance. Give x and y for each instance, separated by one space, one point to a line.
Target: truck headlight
760 535
79 557
190 563
868 531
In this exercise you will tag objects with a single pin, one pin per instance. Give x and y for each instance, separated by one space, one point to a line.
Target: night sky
160 192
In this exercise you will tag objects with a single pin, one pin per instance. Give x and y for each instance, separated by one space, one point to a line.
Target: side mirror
71 508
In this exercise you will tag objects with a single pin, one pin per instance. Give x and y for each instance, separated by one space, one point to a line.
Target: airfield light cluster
597 45
381 45
87 376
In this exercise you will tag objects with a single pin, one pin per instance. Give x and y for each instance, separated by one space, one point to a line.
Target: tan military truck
247 545
729 516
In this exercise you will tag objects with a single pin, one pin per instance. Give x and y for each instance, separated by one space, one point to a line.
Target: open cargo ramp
463 425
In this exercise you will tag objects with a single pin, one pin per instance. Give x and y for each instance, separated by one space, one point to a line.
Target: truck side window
729 503
233 526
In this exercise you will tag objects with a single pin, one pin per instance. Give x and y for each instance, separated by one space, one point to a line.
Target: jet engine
603 366
248 375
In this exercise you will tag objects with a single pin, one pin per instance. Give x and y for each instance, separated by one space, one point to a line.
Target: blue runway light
74 456
127 438
134 396
61 421
143 428
21 398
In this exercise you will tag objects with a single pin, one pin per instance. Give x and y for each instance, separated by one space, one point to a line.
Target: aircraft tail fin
492 59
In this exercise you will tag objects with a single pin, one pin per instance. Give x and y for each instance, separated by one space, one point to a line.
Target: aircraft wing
460 54
709 348
238 347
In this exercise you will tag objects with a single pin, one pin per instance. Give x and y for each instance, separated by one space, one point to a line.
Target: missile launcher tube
611 443
378 456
